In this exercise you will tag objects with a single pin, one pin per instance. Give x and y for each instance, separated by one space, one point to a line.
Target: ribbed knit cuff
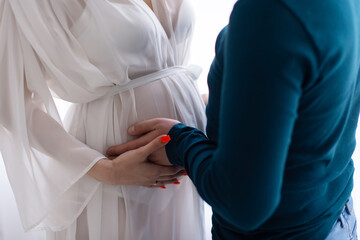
171 147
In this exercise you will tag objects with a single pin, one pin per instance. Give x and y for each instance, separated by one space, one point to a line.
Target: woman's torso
132 41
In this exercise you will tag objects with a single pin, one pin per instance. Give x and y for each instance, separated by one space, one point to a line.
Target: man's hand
149 130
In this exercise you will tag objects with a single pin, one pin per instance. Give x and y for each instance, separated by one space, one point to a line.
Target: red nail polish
165 139
185 174
176 182
163 187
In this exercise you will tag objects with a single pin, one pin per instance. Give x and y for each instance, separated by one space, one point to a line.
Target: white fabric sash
194 70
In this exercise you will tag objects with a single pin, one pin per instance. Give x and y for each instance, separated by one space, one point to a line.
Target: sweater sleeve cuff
184 144
171 147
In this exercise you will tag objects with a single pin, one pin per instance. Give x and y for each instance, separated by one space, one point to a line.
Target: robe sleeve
46 166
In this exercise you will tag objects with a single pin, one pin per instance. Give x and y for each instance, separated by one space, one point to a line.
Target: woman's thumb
156 144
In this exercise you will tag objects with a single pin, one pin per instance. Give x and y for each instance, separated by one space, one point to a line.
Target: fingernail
132 129
185 174
163 187
177 182
165 139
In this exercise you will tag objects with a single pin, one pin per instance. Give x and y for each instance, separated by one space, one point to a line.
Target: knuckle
156 173
173 170
152 175
142 150
167 171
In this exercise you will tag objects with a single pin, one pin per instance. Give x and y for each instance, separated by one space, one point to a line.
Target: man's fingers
131 145
143 127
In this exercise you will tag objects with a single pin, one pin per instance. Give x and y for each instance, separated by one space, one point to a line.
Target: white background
212 16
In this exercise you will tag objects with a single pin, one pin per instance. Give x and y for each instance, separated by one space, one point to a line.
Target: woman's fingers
165 180
163 183
168 171
154 145
179 174
133 167
151 128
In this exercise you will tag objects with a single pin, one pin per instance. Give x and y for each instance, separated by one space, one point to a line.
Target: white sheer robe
90 53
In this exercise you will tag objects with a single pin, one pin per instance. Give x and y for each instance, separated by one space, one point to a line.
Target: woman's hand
149 130
133 168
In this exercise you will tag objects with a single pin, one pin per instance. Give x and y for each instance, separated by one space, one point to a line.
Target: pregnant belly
174 97
104 122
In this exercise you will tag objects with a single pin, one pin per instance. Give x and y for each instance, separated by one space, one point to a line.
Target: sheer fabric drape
78 50
32 54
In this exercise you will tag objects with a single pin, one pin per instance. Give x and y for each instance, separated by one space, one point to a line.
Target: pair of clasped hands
143 161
